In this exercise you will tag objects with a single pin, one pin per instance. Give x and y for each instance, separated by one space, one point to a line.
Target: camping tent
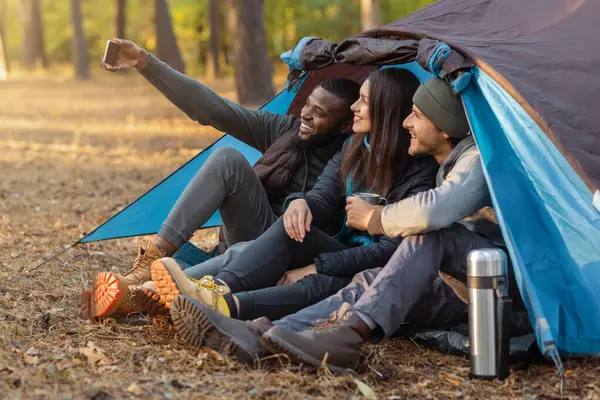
529 85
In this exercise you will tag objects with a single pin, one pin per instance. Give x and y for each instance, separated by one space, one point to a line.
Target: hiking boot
339 339
171 281
140 272
200 325
110 296
149 301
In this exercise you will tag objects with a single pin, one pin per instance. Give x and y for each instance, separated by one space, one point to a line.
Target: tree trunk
38 32
213 67
166 42
252 65
120 19
369 12
80 60
33 34
232 28
28 40
4 63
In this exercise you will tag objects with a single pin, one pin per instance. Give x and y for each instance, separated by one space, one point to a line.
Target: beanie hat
437 102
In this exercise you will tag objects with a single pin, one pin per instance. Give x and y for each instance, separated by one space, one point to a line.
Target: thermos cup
371 198
490 308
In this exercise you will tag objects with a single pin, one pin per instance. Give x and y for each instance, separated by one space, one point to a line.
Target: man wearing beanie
440 227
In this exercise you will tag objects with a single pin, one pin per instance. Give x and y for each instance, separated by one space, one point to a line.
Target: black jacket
327 202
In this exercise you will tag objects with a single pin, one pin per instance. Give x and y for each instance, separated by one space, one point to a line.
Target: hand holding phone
111 54
121 54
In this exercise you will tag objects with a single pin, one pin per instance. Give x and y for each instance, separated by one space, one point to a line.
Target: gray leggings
225 183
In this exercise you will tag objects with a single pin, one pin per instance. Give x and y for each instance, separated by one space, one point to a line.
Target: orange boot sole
164 283
108 293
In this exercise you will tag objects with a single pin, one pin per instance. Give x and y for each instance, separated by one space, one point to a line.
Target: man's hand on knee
297 219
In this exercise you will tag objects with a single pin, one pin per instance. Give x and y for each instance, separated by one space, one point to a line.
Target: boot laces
143 261
210 284
130 298
333 323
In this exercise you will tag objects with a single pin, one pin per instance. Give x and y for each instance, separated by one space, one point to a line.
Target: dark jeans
253 273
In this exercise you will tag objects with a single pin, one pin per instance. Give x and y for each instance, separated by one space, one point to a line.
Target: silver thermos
490 308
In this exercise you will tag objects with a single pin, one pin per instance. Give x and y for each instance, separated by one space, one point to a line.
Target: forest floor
76 153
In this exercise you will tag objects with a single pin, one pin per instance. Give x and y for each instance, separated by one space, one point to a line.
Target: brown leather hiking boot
200 325
112 297
140 272
339 339
170 281
149 301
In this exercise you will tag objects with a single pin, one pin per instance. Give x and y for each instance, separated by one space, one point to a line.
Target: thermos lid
486 262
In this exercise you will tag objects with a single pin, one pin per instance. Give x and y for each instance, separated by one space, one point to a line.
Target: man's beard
320 140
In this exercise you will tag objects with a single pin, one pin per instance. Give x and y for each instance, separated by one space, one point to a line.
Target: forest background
200 37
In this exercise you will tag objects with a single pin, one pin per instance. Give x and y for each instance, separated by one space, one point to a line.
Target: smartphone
111 54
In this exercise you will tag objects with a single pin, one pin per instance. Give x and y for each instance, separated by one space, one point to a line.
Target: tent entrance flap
546 216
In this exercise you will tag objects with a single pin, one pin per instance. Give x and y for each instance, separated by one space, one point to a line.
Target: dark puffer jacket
327 202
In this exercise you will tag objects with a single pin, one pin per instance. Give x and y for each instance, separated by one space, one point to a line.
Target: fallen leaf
94 355
365 389
213 354
451 379
32 356
200 359
135 389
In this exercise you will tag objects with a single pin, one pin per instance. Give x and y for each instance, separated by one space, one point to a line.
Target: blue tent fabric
146 215
548 220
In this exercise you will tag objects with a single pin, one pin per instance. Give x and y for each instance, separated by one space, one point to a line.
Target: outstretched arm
256 128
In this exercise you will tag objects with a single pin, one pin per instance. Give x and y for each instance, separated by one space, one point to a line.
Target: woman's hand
130 55
359 213
297 219
295 275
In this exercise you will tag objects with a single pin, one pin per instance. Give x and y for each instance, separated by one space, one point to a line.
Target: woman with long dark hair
297 262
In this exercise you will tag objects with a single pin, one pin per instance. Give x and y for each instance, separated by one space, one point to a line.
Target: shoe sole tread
107 295
165 284
196 328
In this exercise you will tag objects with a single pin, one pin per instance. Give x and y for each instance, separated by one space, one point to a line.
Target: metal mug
371 198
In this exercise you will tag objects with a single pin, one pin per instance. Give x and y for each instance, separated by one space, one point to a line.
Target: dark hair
346 89
390 102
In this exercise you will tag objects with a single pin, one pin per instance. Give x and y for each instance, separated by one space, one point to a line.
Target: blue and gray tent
530 86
